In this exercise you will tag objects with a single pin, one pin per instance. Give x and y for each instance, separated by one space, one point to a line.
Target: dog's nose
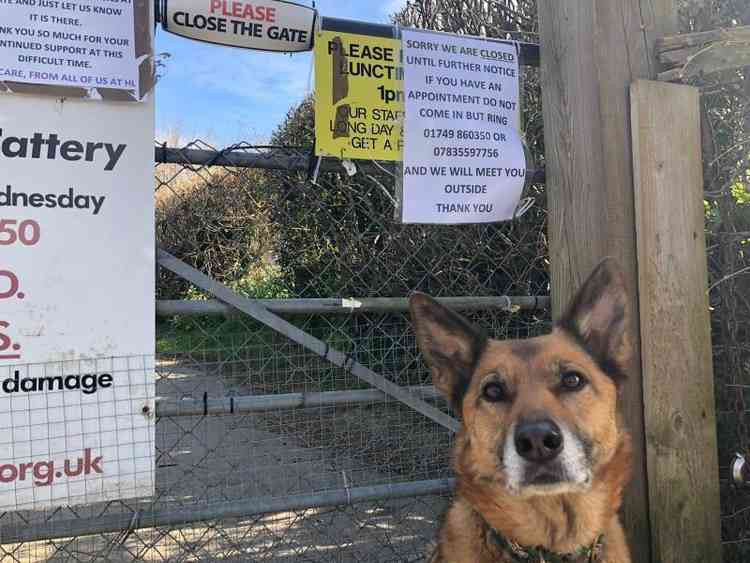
538 440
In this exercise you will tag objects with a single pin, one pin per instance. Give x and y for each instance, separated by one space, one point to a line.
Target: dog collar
586 554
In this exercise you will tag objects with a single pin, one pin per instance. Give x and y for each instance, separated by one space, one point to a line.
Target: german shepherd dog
542 457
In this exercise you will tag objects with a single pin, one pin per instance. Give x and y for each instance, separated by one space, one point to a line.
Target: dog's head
540 415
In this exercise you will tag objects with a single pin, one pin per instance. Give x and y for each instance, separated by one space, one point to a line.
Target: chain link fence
726 127
725 105
265 450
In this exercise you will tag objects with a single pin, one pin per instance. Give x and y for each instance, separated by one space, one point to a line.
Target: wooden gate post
678 382
591 51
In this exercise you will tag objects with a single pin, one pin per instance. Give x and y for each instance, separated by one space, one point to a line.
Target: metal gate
295 420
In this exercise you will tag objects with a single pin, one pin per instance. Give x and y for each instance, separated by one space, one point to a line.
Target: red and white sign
76 301
265 25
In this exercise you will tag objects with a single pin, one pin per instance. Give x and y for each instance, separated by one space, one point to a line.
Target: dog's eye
494 392
572 381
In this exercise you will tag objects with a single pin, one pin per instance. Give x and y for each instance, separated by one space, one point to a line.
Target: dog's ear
597 318
450 344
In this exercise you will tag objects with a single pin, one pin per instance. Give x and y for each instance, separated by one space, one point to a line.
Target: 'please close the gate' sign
266 25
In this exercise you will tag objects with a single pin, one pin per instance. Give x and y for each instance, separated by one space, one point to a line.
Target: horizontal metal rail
26 531
529 52
281 159
246 404
350 305
289 160
268 159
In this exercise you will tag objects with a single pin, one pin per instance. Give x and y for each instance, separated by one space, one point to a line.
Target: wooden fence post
678 381
591 51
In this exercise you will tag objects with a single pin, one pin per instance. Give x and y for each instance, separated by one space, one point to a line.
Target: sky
225 95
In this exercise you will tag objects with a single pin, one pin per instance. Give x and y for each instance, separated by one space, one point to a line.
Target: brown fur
590 340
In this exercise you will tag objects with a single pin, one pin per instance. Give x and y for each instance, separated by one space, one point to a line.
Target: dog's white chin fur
562 488
572 461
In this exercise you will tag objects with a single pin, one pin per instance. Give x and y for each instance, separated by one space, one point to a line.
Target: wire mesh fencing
725 107
264 450
726 121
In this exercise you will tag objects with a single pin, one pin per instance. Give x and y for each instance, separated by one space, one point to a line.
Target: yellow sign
359 98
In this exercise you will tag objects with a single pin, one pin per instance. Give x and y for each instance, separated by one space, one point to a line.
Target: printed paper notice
79 43
463 156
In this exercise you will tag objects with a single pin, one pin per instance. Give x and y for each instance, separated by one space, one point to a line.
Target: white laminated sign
463 156
77 43
76 301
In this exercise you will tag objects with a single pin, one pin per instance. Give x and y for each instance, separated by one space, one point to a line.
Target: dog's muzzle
542 457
